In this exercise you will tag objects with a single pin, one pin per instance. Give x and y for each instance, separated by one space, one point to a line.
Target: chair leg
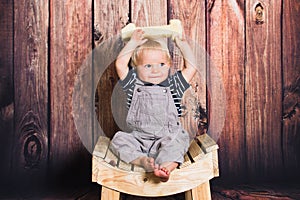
110 194
202 192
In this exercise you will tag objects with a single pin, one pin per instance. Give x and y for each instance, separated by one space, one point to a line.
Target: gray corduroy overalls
157 131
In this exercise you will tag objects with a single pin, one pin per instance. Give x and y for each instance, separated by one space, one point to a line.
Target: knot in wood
259 14
32 151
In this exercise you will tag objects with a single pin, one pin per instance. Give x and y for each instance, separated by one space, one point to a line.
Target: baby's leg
146 162
164 170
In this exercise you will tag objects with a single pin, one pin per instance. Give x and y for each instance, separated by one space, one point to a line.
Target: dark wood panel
6 89
30 147
226 44
291 88
70 44
263 90
286 191
108 24
6 53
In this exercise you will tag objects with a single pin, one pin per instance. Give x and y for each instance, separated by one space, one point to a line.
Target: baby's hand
185 49
138 37
189 59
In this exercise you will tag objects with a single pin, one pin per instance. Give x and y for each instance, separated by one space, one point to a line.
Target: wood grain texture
101 147
272 191
291 88
263 92
6 88
192 16
149 13
146 184
195 152
6 53
111 172
110 17
207 144
30 91
259 65
199 147
107 193
71 42
226 44
199 193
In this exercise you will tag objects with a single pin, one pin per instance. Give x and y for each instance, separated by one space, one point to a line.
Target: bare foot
146 162
164 171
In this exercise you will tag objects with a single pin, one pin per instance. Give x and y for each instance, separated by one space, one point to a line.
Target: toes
162 173
167 172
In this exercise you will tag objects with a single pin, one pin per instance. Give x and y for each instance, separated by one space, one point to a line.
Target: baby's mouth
155 76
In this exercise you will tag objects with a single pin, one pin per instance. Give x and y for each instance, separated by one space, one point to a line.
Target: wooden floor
284 191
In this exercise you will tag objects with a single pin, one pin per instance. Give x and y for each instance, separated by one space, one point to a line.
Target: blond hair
148 45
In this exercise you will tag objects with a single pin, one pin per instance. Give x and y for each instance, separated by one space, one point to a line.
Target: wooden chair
115 176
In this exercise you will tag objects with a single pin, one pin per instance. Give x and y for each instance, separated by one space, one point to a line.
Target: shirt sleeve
128 80
180 83
128 86
185 84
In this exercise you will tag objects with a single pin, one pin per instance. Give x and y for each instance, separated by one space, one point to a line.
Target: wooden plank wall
109 18
291 87
70 43
6 89
263 90
44 44
193 22
226 48
30 137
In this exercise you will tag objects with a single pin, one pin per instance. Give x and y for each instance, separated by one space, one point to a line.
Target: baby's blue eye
148 66
162 64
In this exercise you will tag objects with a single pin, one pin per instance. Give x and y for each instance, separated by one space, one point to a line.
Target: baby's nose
155 69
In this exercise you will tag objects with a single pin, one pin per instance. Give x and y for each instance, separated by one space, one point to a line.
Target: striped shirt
176 82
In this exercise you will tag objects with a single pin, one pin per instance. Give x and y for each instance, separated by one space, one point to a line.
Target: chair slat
101 147
111 158
125 166
138 169
194 149
187 161
207 144
199 155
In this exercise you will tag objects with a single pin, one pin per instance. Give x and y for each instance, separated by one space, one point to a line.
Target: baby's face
153 66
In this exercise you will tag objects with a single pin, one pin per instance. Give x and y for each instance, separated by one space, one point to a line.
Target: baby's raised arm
189 59
124 56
